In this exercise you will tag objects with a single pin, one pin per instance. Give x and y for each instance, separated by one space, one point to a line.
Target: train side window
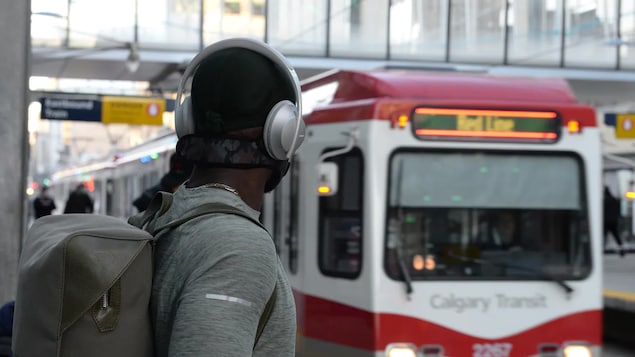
340 220
130 192
110 192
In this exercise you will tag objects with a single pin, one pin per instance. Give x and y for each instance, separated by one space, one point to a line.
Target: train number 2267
491 349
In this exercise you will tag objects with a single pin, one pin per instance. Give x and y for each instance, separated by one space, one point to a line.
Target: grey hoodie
213 277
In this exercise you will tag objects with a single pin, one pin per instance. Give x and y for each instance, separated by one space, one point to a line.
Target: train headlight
575 350
401 350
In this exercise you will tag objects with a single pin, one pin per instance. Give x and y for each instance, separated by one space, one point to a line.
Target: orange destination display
516 125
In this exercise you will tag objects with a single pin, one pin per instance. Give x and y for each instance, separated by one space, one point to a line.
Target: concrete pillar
15 54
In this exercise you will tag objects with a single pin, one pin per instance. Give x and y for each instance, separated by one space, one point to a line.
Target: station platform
619 281
619 297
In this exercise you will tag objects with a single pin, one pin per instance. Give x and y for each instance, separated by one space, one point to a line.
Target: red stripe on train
337 323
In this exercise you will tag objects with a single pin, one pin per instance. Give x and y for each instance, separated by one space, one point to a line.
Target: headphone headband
261 48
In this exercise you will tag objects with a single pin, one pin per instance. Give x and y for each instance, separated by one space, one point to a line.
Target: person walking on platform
43 204
219 287
79 201
180 170
6 328
611 215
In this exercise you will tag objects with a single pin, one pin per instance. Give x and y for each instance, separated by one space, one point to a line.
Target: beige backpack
85 280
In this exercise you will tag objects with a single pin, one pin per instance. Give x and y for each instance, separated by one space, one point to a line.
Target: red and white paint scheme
443 214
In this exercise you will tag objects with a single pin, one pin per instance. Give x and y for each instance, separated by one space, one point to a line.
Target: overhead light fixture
133 62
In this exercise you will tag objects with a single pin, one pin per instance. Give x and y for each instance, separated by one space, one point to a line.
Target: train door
334 257
280 231
285 213
340 220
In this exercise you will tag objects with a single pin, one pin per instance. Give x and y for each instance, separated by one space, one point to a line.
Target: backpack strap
202 210
158 206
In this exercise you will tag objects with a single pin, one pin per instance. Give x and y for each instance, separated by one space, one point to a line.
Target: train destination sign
485 124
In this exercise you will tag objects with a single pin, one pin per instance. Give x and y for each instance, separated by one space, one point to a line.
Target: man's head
235 89
505 224
241 84
243 110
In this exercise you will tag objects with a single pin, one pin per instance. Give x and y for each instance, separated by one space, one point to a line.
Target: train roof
345 95
156 145
153 146
357 85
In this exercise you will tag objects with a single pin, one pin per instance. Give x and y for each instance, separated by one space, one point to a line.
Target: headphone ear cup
184 118
279 130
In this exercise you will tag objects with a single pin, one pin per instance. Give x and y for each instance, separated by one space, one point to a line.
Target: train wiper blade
406 275
399 248
567 288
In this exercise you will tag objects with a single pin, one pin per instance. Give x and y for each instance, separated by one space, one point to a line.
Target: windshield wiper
399 248
404 272
567 288
395 244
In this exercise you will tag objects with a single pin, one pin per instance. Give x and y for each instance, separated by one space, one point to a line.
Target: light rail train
428 214
115 183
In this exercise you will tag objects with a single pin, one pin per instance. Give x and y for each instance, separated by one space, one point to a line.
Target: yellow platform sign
625 126
135 111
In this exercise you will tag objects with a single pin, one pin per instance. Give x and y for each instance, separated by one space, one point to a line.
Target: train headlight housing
401 350
577 350
328 178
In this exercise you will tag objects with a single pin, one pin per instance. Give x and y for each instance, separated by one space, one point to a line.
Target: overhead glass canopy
590 34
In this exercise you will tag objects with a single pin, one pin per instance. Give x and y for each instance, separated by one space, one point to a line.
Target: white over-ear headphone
284 128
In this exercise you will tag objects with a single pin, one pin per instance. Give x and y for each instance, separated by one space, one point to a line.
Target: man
79 201
6 328
611 215
43 205
502 234
180 170
215 275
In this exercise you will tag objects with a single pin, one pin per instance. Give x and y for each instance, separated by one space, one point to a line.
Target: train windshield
486 215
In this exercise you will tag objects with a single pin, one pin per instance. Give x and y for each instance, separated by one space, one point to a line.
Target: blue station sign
108 109
71 109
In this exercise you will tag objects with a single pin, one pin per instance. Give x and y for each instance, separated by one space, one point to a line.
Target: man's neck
249 183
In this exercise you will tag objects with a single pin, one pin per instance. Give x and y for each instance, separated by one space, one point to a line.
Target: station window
340 220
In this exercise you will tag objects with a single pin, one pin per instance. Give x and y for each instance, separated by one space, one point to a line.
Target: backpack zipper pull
104 300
